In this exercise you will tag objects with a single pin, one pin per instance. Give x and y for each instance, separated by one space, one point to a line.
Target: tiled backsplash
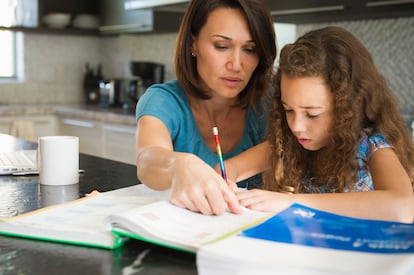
54 64
391 43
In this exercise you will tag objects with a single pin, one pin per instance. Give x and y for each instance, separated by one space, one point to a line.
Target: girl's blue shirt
169 103
369 143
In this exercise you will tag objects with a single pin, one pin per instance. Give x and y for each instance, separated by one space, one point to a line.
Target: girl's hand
267 201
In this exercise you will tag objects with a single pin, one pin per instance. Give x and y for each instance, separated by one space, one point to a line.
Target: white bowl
86 21
57 20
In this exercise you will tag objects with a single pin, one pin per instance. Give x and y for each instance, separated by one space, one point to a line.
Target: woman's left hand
267 201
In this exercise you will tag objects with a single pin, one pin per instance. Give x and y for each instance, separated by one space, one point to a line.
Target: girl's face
225 53
308 105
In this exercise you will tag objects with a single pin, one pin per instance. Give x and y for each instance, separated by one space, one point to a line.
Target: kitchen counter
96 113
20 194
103 132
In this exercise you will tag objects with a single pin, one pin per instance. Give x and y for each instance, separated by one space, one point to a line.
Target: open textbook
107 219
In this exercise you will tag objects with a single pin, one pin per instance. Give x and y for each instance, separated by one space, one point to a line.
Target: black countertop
20 194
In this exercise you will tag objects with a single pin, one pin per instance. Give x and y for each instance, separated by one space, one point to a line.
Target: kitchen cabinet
88 131
306 11
101 133
41 125
119 142
102 139
115 19
73 7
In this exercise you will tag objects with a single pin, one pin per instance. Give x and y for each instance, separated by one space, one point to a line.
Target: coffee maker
145 74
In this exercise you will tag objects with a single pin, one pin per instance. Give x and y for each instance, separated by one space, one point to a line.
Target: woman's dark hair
263 35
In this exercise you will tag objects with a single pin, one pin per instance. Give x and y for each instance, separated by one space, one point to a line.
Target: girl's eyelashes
312 116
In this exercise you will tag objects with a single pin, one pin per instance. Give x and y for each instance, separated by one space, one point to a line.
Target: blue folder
299 224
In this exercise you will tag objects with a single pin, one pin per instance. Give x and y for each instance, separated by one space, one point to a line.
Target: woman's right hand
196 186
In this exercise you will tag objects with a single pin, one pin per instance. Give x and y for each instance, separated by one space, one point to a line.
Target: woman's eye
220 47
251 50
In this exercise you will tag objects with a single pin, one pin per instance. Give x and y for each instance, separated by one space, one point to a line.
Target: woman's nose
235 61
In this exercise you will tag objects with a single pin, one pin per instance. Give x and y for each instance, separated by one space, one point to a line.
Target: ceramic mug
58 160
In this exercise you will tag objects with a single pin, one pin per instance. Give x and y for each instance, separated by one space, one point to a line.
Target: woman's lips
232 82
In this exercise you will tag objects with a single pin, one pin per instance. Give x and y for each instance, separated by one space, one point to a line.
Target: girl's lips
303 140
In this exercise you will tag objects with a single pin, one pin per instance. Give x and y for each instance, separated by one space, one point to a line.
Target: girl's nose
297 124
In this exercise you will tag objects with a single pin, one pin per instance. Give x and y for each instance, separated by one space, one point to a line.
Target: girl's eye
288 111
312 116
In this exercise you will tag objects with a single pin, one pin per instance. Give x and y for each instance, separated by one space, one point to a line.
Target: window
10 42
8 55
285 33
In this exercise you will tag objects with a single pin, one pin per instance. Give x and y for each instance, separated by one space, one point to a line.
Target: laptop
21 162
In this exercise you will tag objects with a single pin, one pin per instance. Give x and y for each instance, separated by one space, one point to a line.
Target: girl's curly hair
362 99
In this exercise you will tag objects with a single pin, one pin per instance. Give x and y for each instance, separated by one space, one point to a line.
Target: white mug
58 160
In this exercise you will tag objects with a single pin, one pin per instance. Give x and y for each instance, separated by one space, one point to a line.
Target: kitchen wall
391 43
54 64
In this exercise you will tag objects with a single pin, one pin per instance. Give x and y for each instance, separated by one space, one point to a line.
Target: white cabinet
103 134
88 131
29 127
119 142
103 139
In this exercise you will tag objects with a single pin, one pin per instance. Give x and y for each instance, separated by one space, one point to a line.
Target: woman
337 141
224 62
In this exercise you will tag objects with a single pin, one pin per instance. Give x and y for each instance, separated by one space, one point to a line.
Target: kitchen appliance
148 73
91 81
119 92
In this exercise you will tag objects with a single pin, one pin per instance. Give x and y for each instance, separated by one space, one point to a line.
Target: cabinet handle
79 123
119 129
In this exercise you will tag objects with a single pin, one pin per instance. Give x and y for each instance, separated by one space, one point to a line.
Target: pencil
219 154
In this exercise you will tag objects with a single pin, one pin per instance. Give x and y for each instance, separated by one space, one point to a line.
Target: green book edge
125 234
118 240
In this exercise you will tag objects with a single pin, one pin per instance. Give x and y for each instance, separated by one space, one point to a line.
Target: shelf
60 31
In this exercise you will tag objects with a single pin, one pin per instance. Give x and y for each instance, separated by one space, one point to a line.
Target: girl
336 140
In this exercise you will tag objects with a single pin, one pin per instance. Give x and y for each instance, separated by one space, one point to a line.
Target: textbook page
80 222
165 224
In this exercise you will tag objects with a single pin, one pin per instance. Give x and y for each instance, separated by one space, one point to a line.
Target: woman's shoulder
171 88
167 94
162 99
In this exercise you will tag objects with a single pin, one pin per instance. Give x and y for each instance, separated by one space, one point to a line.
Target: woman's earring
193 54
